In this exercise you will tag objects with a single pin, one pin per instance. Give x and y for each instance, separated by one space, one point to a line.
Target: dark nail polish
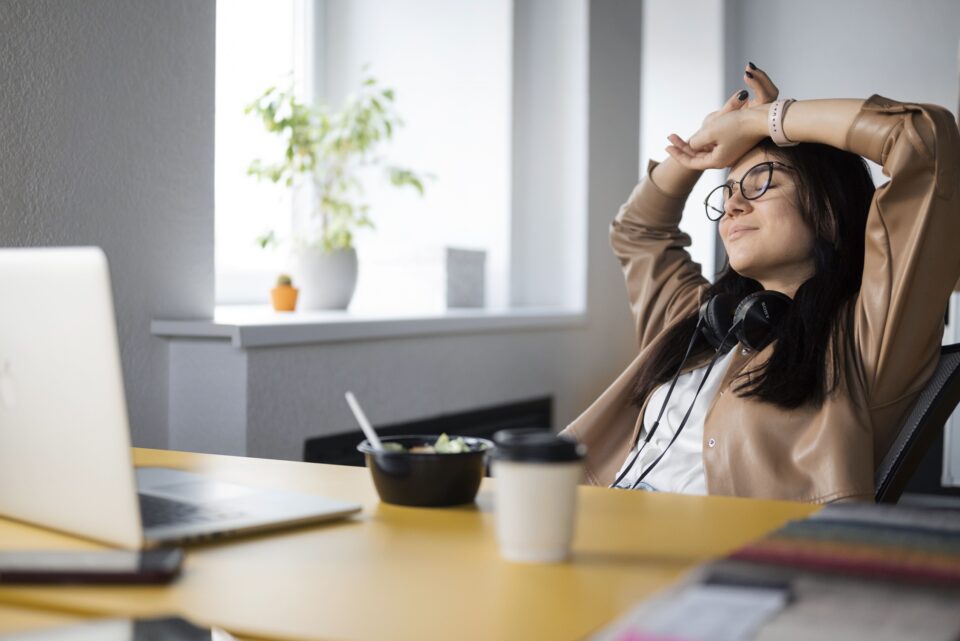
749 75
752 66
742 95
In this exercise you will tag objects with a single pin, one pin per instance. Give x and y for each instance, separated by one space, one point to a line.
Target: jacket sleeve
912 259
663 283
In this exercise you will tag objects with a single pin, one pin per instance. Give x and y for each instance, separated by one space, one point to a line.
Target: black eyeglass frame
728 186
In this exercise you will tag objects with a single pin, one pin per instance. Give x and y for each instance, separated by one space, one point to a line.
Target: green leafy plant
284 280
329 149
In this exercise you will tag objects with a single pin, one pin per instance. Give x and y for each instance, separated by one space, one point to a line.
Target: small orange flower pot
284 298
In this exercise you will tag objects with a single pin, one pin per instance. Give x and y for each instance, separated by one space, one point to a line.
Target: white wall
107 139
549 135
680 84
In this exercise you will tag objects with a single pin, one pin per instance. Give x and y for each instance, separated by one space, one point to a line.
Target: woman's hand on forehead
730 132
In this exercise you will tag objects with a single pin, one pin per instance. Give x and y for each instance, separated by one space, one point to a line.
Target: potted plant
325 153
284 295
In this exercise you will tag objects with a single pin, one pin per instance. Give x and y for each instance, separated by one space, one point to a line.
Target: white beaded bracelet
775 122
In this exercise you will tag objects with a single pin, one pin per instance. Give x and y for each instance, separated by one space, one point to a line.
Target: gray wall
107 139
850 49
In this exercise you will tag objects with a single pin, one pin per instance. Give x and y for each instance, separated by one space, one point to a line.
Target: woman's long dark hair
834 190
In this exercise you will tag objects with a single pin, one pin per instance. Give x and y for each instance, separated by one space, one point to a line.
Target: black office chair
922 427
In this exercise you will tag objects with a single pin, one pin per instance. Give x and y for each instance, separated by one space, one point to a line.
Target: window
450 64
255 48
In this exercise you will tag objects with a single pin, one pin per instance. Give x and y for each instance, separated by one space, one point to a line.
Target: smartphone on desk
163 629
160 565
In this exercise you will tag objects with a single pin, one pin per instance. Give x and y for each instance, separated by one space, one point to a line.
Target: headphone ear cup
757 316
716 319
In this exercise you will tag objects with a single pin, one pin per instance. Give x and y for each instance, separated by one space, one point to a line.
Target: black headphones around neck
723 321
751 321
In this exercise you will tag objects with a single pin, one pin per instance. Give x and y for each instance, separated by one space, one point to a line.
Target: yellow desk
412 573
14 618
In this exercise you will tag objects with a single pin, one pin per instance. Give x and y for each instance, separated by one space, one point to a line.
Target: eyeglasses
754 184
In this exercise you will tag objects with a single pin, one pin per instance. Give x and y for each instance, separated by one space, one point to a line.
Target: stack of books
851 571
877 541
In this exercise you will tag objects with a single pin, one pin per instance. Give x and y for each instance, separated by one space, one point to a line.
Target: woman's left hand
727 135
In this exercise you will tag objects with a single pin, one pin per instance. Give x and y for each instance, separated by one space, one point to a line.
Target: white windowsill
260 326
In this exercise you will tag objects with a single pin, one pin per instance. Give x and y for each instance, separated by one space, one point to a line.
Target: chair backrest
923 425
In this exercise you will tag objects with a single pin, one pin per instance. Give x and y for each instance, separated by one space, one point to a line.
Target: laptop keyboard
156 511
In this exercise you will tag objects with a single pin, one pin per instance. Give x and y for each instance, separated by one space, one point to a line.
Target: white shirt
681 469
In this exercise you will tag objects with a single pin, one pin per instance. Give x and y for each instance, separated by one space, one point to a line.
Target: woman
810 412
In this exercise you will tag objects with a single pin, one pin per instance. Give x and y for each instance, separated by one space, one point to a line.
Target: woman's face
766 238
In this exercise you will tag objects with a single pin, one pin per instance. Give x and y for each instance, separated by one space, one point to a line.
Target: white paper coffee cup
536 474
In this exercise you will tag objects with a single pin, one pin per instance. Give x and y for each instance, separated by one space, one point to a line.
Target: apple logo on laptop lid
8 392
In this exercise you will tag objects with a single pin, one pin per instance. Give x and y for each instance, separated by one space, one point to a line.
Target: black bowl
427 480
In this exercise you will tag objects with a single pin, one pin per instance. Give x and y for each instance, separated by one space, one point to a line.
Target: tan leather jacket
912 261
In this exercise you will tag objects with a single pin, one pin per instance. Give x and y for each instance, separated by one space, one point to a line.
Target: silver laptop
65 458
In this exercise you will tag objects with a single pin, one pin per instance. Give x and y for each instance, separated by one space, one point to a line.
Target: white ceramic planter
326 280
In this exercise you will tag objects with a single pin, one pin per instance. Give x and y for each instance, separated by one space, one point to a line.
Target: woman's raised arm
723 140
911 263
663 282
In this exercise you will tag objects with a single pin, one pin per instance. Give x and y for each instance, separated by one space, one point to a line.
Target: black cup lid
536 446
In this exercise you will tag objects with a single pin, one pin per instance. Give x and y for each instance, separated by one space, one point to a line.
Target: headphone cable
703 381
656 423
